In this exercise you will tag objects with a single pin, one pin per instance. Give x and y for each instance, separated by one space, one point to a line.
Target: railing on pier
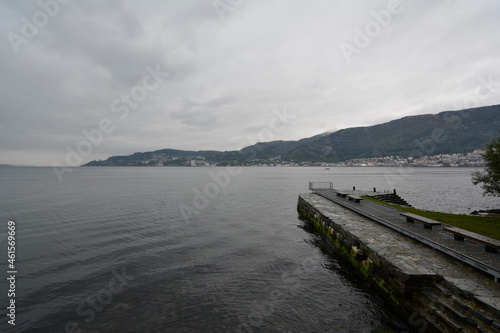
320 186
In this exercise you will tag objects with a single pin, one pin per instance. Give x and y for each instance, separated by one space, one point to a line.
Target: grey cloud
201 114
226 77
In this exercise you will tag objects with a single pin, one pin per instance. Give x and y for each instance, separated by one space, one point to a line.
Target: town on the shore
472 159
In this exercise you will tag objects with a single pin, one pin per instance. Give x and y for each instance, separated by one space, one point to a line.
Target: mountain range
430 134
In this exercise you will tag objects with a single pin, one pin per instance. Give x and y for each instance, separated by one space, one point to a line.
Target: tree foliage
490 177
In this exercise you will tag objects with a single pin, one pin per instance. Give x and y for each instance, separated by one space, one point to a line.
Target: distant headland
449 138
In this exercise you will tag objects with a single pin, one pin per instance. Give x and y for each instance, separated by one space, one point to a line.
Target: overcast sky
199 75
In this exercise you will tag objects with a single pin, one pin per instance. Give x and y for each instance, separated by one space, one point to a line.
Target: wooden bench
490 244
354 198
428 223
341 194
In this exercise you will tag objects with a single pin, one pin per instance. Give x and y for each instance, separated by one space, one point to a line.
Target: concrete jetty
434 236
436 292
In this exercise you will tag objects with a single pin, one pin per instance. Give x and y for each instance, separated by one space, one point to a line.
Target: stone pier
435 292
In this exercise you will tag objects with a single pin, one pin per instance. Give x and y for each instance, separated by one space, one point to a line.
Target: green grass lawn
484 225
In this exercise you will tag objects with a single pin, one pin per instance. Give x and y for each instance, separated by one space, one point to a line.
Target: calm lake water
194 249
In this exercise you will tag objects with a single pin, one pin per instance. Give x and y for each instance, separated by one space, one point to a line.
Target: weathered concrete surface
433 290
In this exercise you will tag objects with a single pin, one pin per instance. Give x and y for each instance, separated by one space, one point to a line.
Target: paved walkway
467 251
